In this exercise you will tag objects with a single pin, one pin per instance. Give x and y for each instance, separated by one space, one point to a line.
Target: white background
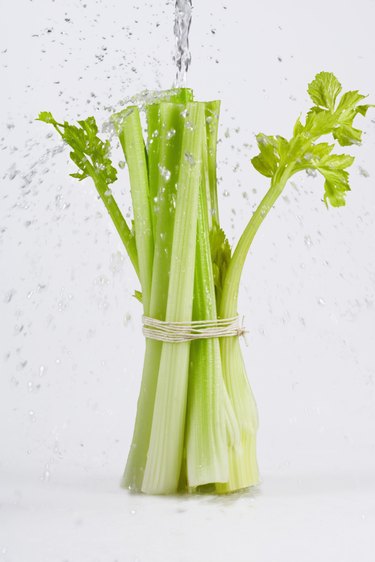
71 346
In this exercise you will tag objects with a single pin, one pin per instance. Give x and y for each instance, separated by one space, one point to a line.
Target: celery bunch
196 420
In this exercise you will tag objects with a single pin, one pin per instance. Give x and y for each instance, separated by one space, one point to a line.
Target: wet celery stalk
167 119
164 457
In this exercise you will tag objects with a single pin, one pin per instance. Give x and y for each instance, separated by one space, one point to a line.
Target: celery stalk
129 130
212 128
211 426
157 134
168 425
243 470
206 437
166 157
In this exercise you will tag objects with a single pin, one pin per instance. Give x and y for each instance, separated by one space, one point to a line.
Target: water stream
183 14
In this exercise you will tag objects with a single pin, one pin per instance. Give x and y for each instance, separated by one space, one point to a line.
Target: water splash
183 13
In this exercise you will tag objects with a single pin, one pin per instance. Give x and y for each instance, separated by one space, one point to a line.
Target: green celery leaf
221 255
324 89
267 161
335 186
337 161
349 102
298 127
138 295
91 156
329 116
346 135
89 152
319 122
46 117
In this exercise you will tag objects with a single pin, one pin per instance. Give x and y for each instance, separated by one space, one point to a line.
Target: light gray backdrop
70 337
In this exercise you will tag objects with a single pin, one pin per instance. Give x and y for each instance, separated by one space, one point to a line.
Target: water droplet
42 370
32 417
171 133
311 172
321 301
18 328
102 280
9 295
117 262
226 193
122 164
190 158
133 512
363 172
155 134
13 172
308 241
127 318
164 172
46 474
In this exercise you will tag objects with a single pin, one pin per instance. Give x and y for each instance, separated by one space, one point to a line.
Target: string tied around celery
176 332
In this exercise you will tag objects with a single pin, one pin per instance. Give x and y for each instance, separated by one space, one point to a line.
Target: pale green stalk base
136 461
243 468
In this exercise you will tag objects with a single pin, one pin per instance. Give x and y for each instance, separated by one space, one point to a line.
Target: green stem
129 129
243 468
229 298
118 220
212 128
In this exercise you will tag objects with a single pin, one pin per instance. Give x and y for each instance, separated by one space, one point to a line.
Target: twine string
195 330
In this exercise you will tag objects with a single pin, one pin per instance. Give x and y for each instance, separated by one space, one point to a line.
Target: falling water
183 12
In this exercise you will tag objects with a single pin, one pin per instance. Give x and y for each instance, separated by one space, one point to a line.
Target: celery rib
168 152
166 442
206 437
129 128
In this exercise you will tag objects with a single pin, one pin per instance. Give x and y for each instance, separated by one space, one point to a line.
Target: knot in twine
176 332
